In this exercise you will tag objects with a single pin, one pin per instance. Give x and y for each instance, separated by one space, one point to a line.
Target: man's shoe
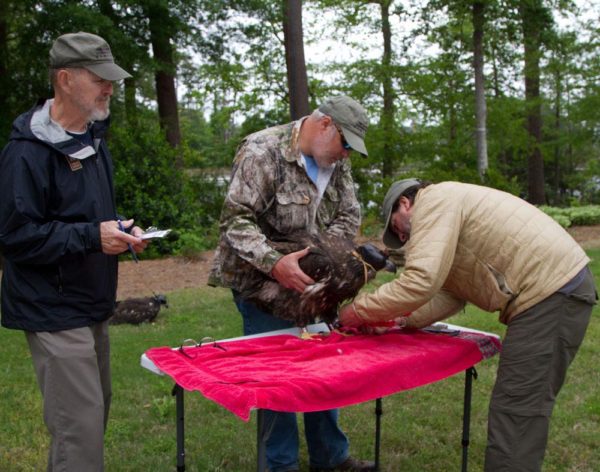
349 465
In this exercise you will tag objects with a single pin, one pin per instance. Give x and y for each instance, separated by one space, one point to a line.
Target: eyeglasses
345 144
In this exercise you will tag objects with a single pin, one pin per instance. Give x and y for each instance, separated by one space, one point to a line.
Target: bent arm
441 306
430 252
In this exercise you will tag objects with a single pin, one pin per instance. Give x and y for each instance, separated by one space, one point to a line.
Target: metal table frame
262 433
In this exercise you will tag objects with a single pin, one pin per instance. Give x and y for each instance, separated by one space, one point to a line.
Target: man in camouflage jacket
285 179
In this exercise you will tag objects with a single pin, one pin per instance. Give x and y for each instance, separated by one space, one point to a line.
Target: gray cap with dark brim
391 239
108 71
351 117
88 51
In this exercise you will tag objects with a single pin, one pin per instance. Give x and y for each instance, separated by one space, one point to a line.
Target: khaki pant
73 372
539 346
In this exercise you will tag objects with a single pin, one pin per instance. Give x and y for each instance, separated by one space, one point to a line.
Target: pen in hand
133 254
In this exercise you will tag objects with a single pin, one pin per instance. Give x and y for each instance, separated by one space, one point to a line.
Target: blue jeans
327 444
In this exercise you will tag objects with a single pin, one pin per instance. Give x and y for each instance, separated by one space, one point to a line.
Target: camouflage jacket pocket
293 212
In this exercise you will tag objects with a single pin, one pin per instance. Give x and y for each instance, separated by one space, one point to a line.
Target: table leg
261 442
179 413
470 373
378 413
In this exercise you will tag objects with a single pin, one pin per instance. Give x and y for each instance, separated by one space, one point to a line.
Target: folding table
282 371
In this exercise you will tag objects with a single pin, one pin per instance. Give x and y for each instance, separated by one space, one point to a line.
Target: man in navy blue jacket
60 237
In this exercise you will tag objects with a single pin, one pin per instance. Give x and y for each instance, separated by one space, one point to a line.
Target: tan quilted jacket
479 245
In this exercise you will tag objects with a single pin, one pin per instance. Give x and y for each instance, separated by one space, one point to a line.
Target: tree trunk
557 111
166 96
387 116
4 84
294 58
532 14
452 119
3 44
480 105
495 79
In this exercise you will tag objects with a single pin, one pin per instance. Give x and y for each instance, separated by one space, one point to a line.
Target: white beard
98 114
324 142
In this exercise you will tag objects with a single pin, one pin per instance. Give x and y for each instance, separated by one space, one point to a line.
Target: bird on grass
339 269
137 310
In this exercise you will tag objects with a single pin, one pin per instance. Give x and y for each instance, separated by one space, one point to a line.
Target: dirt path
162 275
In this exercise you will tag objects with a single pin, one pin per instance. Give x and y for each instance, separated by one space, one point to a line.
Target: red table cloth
287 373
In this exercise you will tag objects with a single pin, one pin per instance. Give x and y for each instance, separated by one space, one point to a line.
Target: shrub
151 189
585 215
576 216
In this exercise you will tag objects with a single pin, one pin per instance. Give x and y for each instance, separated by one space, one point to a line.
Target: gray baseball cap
86 50
351 117
391 239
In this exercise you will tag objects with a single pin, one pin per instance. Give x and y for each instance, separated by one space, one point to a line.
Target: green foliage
574 216
585 215
153 191
371 225
210 143
190 245
148 185
208 190
495 179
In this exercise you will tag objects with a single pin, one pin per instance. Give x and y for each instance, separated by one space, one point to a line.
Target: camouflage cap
351 117
88 51
391 239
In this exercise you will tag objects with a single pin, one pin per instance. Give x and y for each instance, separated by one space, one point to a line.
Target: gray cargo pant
539 345
73 372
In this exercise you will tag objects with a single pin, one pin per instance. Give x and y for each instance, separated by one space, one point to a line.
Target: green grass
421 428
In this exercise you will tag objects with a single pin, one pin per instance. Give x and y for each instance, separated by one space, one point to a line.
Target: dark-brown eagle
339 269
137 310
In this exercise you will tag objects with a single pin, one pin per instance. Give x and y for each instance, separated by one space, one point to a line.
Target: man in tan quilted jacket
468 243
